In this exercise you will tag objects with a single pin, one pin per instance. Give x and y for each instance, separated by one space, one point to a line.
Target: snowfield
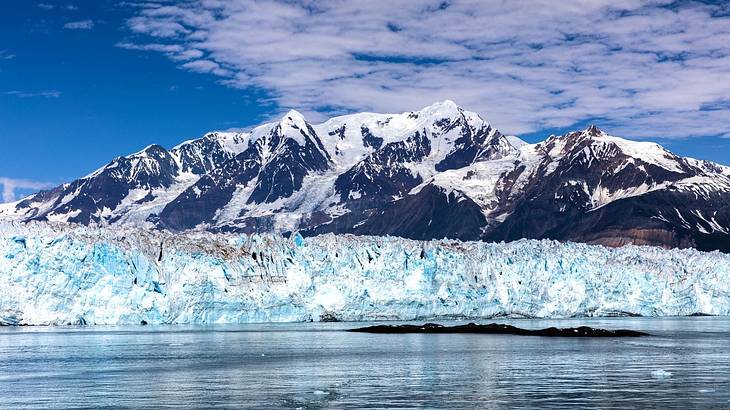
67 274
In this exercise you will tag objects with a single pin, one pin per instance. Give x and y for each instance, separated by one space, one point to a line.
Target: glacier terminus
58 274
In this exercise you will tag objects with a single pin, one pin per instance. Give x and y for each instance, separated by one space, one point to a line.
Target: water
686 363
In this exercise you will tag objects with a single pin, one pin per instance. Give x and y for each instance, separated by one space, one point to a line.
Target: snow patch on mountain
480 181
139 204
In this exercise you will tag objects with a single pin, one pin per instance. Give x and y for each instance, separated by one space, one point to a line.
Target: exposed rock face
441 172
596 192
385 173
431 213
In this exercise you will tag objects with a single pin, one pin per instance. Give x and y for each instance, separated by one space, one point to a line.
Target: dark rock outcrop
499 329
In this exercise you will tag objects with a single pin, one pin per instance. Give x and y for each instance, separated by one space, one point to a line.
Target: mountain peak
438 111
442 106
446 103
293 115
293 119
574 137
152 149
293 125
593 130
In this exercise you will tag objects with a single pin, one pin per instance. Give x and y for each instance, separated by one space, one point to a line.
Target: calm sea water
686 363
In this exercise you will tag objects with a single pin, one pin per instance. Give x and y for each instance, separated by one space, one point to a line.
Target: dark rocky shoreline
499 329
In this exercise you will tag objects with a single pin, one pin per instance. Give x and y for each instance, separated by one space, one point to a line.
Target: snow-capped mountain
434 173
584 186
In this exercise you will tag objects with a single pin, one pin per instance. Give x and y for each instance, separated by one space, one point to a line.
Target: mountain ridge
438 172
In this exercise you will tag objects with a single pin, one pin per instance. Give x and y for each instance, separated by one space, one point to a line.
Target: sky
82 82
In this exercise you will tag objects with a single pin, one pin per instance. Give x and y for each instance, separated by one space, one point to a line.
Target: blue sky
71 100
84 81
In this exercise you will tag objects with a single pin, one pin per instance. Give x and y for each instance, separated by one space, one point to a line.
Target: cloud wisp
46 6
6 55
31 94
10 186
79 25
656 68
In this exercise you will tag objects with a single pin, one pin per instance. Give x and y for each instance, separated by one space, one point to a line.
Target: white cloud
79 25
30 94
206 66
640 68
10 186
173 51
164 48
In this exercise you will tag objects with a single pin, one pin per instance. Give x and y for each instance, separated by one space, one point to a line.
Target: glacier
58 274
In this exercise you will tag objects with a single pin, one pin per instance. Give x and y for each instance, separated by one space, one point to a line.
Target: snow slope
60 274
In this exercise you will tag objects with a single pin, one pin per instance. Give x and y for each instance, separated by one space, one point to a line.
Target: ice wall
60 274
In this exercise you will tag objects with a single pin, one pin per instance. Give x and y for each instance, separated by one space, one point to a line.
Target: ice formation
60 274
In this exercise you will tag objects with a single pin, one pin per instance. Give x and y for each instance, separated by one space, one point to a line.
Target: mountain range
441 172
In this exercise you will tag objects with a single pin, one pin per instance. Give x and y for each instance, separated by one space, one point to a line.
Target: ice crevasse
68 274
